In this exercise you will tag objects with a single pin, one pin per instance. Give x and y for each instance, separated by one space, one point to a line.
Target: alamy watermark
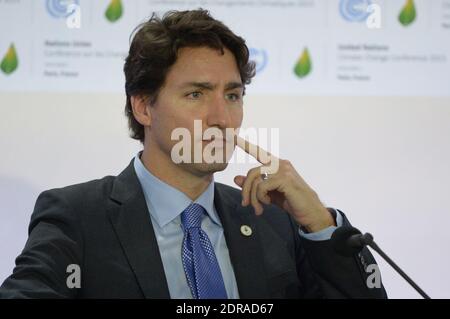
373 20
74 279
374 279
73 20
220 146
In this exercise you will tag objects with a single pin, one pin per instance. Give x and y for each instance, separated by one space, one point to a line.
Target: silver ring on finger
265 176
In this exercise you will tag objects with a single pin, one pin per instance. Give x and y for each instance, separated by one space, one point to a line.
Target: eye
194 95
233 97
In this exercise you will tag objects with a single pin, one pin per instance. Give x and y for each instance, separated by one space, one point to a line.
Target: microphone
348 241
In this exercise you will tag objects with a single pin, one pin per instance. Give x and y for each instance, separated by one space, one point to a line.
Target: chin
205 168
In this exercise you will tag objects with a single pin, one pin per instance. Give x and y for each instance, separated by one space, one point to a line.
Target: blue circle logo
354 10
58 8
259 56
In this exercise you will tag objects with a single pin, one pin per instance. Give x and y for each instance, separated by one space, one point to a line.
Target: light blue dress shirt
165 204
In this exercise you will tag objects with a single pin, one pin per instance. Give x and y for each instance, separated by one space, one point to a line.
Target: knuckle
260 193
253 171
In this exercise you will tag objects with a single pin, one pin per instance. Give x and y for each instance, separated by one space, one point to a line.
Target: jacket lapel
245 251
132 224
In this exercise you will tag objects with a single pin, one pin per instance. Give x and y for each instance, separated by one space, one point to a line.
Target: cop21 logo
68 9
360 11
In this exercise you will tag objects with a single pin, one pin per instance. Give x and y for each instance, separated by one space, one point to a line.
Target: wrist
326 220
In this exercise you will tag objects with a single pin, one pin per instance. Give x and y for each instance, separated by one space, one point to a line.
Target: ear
140 105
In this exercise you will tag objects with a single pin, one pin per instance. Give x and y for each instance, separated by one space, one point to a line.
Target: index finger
261 155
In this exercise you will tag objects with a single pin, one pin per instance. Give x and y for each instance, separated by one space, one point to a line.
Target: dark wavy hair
154 48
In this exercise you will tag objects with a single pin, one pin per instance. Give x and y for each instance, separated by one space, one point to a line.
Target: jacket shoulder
90 190
67 203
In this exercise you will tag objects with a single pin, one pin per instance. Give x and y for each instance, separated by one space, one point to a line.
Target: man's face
202 85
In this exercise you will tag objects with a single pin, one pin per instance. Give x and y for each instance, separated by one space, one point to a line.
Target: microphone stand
367 239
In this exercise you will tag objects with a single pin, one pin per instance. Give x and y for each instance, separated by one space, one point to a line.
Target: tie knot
192 216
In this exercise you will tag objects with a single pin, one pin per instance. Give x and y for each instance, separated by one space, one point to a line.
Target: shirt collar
165 202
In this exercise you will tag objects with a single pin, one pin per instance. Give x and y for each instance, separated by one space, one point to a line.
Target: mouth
218 142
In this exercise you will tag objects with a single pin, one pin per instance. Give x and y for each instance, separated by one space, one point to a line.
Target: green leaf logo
303 66
10 62
408 13
114 10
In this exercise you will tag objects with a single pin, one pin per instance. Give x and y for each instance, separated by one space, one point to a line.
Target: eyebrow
210 86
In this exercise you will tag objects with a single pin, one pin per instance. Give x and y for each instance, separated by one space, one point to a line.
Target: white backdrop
378 149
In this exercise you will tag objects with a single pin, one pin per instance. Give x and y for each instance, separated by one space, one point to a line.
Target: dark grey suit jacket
104 227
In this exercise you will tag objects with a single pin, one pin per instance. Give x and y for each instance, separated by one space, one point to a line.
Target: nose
218 114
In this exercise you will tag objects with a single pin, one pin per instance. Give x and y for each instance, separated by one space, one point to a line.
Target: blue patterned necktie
199 260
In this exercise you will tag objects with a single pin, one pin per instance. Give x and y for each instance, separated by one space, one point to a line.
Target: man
164 229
